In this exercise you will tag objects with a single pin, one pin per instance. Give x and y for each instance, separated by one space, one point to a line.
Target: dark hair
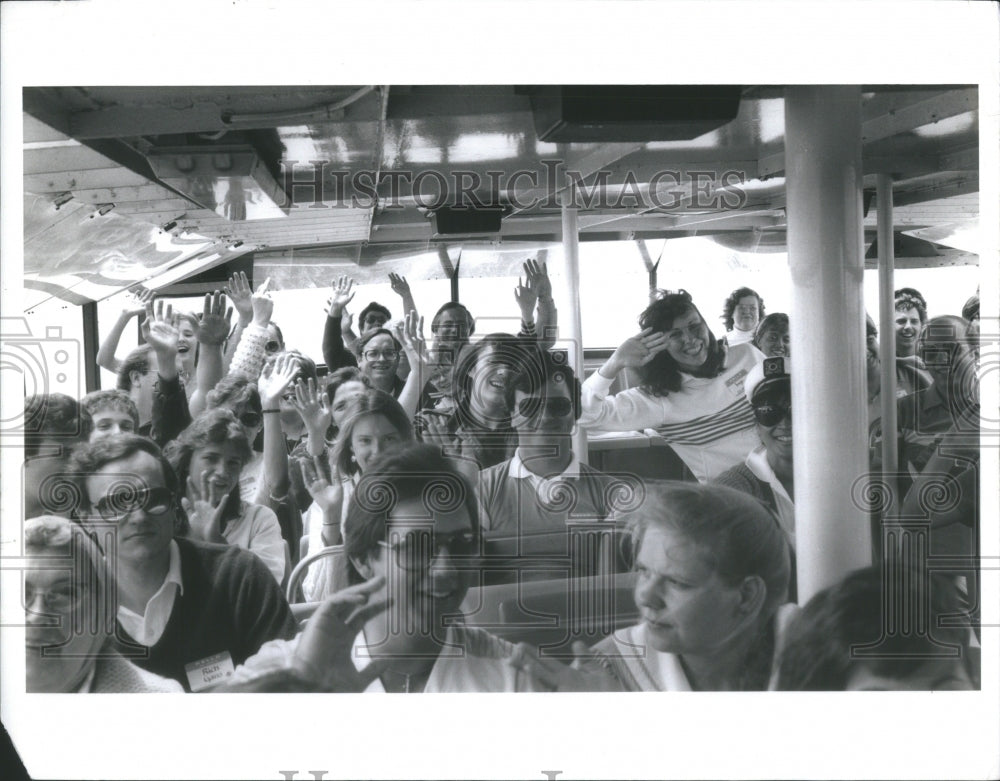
281 336
372 307
662 375
120 401
54 416
773 320
342 376
509 350
135 361
739 537
214 426
470 322
971 309
541 367
734 298
910 298
818 647
362 342
236 393
373 402
90 457
417 471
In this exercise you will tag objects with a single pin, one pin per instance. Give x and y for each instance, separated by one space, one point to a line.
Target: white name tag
209 671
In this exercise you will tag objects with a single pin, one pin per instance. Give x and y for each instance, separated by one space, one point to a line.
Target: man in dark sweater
186 610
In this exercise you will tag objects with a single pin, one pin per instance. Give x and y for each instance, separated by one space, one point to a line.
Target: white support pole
829 397
887 332
572 330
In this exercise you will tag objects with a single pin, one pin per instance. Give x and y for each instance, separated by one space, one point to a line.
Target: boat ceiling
107 164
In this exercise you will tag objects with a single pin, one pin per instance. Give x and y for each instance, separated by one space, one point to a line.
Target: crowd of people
169 521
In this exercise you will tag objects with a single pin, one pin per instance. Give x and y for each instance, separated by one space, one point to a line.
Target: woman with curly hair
741 313
691 391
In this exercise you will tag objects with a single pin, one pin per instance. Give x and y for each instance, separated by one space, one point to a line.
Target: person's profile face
684 605
131 494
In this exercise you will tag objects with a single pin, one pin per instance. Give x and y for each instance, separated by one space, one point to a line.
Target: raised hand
346 321
412 337
262 304
135 304
537 276
343 294
216 320
586 675
241 295
204 509
160 329
526 297
434 430
324 652
328 495
638 350
275 379
313 407
399 285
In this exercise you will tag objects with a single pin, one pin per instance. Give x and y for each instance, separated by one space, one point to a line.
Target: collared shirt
544 486
148 628
757 463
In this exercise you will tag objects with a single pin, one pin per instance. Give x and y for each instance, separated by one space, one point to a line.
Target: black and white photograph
452 349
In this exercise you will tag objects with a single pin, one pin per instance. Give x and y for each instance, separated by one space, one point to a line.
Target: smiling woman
208 457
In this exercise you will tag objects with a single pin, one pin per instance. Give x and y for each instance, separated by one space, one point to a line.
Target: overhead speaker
602 113
466 220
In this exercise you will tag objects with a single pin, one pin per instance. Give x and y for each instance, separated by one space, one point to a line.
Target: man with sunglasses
186 610
767 473
543 486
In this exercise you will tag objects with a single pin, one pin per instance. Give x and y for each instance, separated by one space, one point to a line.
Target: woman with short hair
208 457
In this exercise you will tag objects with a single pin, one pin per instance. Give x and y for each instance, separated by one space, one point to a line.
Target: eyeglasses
416 549
771 413
251 419
154 501
556 407
374 355
59 600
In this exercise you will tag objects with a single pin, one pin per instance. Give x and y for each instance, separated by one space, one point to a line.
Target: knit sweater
116 675
230 604
708 422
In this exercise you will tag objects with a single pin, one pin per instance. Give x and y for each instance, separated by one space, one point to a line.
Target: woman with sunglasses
412 541
767 473
208 457
691 389
712 576
374 424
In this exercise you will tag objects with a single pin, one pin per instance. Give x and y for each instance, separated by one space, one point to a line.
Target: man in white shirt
186 610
